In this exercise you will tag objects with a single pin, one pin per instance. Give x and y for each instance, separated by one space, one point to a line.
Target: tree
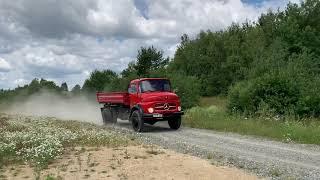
149 59
49 85
34 86
100 80
130 70
76 89
64 87
184 39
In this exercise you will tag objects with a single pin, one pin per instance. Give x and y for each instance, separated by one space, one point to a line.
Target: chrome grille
165 106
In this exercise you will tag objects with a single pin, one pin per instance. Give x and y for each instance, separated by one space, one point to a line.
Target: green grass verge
218 101
285 129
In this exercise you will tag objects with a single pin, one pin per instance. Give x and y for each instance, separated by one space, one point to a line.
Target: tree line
270 66
21 93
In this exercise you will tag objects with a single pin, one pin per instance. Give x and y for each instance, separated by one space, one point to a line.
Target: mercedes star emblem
166 106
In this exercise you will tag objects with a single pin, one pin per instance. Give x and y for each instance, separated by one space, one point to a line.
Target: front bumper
164 116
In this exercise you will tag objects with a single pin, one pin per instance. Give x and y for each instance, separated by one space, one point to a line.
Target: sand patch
133 162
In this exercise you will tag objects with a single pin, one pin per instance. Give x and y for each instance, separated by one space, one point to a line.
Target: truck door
133 94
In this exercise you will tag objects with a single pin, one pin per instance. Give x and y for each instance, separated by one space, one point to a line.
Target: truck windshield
155 85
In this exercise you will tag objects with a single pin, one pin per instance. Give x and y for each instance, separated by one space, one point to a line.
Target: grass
213 115
39 140
218 101
51 177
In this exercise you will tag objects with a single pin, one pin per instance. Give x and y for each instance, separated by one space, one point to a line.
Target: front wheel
175 123
137 121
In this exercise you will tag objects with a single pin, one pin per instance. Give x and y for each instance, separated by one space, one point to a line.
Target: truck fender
136 107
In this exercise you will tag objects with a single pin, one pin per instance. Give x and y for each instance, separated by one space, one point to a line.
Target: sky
65 40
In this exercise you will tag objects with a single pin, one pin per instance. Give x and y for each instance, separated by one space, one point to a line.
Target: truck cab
148 100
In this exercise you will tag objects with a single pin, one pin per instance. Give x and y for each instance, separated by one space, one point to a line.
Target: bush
187 87
275 93
289 87
309 101
240 97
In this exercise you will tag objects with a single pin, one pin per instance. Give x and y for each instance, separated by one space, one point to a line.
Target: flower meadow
39 140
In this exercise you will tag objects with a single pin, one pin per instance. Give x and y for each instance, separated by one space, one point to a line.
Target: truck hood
159 96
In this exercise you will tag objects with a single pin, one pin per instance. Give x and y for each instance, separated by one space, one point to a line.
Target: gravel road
265 158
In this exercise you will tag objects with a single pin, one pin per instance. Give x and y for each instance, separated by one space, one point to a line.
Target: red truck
148 100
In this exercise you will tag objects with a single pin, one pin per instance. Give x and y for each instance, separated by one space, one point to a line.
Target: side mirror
175 91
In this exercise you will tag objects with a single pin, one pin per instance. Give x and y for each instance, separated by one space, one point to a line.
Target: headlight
150 110
179 108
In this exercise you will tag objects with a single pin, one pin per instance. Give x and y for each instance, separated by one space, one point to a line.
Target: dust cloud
52 105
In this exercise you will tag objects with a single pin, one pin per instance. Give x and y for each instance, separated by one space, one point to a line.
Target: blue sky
252 1
65 40
142 6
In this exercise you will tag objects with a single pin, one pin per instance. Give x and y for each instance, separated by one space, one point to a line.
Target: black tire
108 115
137 121
175 123
114 115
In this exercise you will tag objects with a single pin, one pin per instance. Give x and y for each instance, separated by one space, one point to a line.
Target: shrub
240 97
275 93
309 101
188 89
289 87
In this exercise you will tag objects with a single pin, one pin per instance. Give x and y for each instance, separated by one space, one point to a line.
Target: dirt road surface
263 157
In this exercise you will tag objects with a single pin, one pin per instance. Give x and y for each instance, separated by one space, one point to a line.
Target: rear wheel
108 115
175 123
137 121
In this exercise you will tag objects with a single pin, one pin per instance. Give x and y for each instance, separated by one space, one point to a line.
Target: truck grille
165 106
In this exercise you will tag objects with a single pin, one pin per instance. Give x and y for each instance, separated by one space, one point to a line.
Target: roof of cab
143 79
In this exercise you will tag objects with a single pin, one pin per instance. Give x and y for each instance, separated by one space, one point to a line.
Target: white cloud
20 82
4 65
65 40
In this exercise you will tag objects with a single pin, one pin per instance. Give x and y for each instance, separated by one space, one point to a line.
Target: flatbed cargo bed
120 98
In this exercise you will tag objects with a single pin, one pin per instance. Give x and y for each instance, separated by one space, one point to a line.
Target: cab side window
132 88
